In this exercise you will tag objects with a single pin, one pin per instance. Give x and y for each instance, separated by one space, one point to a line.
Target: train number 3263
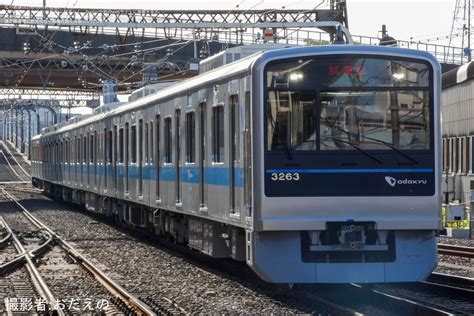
285 176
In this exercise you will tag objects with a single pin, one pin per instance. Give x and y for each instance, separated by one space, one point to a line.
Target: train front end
347 165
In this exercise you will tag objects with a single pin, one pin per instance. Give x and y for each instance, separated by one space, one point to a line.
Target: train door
115 149
247 157
95 153
202 152
78 159
234 151
178 156
121 160
157 157
106 156
84 160
90 157
150 160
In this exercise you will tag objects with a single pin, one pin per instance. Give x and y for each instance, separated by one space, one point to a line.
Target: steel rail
20 258
36 278
456 251
11 167
14 182
7 237
16 161
451 279
416 308
114 288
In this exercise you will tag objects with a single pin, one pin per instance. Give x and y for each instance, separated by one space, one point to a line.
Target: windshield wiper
356 148
287 150
392 147
276 134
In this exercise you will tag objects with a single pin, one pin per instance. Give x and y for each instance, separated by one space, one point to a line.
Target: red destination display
339 70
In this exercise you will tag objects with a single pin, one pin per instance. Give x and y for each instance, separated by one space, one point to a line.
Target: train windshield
347 103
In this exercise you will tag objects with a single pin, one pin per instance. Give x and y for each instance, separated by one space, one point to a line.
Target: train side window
218 134
140 141
91 148
109 146
96 148
114 144
146 143
167 133
120 146
84 149
133 143
150 146
66 151
190 137
105 144
78 150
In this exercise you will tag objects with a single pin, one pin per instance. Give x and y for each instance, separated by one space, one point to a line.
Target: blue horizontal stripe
422 170
212 175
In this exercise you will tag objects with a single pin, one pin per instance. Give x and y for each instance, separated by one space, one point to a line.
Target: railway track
63 279
396 299
435 295
15 166
451 280
367 300
457 251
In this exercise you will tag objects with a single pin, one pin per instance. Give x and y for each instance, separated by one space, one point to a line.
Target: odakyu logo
393 182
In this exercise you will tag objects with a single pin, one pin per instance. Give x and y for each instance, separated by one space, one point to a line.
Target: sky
405 19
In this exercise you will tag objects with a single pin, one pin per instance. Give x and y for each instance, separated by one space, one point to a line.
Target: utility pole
462 23
469 30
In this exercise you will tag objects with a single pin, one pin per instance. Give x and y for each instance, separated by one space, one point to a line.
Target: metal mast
462 23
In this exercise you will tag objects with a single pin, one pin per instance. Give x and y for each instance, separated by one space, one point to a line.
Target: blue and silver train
311 164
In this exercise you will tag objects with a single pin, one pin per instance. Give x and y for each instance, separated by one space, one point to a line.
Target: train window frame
151 146
428 87
146 143
168 140
91 148
84 149
121 139
109 146
218 138
133 144
140 144
190 138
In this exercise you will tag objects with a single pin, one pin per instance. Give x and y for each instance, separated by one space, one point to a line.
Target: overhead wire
41 50
91 60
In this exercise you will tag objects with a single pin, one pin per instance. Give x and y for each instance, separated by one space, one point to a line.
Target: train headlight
295 76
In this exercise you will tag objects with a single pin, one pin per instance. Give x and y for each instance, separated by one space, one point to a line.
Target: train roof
230 70
242 66
349 49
